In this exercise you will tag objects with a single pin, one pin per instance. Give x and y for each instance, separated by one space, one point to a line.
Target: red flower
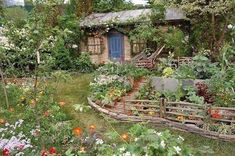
52 150
46 113
5 152
216 115
77 131
44 153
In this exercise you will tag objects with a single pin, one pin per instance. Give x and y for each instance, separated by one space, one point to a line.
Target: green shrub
14 94
123 70
83 63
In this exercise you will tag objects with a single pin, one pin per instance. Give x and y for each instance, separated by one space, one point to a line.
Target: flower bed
112 81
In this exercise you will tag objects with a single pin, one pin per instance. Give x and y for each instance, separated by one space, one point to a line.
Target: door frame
122 57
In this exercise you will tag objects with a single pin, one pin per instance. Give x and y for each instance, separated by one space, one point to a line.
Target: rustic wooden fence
180 111
178 115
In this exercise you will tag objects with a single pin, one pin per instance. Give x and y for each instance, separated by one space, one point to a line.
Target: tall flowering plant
13 139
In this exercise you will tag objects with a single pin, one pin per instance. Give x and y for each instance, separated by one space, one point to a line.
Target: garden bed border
161 121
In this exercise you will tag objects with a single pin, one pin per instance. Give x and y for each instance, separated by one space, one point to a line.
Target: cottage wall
104 56
127 48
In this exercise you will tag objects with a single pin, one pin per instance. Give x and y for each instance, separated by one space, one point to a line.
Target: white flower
181 138
19 154
159 134
136 139
177 149
122 149
127 154
163 144
230 26
99 141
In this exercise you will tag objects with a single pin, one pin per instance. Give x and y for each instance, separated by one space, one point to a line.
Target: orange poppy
77 131
125 136
2 121
61 103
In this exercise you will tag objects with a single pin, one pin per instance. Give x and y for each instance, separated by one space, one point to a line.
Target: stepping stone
170 84
157 83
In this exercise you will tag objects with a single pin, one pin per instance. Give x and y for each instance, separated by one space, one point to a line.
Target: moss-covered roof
129 16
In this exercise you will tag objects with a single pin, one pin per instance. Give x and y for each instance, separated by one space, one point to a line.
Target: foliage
222 87
191 96
17 15
165 62
145 31
162 142
202 91
138 141
122 70
175 39
209 21
14 93
185 72
147 92
114 80
54 40
48 120
111 5
200 68
109 88
83 63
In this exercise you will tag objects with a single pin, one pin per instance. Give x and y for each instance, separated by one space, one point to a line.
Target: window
138 46
94 45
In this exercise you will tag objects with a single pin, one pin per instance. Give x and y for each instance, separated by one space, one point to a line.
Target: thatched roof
129 16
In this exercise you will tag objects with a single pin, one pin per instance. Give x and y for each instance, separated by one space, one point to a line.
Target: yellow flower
151 113
41 93
22 98
180 118
167 72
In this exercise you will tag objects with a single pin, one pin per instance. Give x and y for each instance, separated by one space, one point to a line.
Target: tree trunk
4 88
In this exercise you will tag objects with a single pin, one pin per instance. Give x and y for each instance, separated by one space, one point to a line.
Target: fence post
207 116
124 105
162 107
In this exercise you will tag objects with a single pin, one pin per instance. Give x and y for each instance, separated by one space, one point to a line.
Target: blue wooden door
115 46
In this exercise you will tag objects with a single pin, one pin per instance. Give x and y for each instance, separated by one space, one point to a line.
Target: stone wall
171 84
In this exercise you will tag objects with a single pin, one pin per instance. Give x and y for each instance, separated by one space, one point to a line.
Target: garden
55 102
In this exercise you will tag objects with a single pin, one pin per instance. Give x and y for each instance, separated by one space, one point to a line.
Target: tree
1 7
111 5
209 19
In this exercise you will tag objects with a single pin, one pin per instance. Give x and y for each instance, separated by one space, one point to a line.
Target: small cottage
107 33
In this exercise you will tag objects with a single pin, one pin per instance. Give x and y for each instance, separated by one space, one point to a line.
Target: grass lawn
76 92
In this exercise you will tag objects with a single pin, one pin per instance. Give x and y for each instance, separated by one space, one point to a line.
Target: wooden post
124 105
207 115
162 108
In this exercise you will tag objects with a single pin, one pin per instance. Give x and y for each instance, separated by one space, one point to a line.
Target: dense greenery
48 39
113 81
155 34
111 5
54 41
